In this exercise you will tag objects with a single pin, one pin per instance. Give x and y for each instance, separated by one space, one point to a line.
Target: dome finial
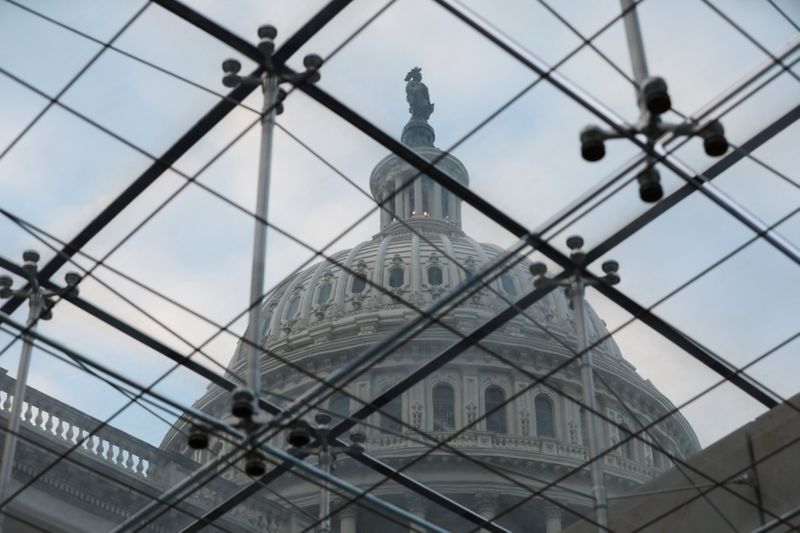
418 132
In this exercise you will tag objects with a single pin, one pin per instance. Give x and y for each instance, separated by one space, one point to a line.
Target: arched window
545 423
434 276
324 293
340 407
392 414
396 277
496 416
444 408
508 284
626 448
359 284
292 308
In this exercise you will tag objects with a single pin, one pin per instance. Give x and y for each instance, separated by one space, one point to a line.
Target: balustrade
69 426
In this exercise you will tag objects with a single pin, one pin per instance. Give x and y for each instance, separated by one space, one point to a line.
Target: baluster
51 424
145 470
85 438
94 441
26 411
126 464
5 404
115 451
135 466
75 432
39 418
106 446
63 429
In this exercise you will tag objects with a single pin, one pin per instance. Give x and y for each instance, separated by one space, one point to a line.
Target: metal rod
633 33
270 88
325 461
36 300
589 399
772 524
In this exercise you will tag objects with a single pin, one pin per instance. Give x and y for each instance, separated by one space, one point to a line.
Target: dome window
396 277
359 284
292 308
545 423
444 409
324 293
434 276
508 284
392 415
493 405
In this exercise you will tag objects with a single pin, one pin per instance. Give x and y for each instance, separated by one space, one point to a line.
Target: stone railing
66 426
535 446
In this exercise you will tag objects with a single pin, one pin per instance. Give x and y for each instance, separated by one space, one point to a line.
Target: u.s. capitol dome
326 315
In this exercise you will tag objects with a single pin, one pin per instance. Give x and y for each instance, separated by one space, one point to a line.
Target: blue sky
525 161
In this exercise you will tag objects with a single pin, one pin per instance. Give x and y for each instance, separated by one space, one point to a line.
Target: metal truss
695 182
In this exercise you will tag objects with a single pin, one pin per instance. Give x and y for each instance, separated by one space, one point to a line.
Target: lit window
294 306
508 284
434 276
444 408
392 414
396 277
324 293
359 284
495 415
545 426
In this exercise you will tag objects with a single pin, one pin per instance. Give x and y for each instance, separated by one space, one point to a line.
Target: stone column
486 505
347 519
417 505
399 200
552 518
451 209
436 208
418 195
386 216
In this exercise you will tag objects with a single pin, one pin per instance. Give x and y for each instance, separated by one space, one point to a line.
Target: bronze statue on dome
419 101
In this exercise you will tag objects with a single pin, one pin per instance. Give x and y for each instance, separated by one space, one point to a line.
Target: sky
196 250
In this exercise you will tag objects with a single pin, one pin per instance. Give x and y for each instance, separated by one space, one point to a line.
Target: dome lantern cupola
419 201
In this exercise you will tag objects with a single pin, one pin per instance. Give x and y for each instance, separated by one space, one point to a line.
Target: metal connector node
650 189
537 269
655 95
299 436
254 464
592 143
267 31
243 405
610 266
714 142
198 437
312 62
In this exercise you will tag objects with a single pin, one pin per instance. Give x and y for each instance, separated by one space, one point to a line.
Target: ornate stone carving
472 413
525 422
417 412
